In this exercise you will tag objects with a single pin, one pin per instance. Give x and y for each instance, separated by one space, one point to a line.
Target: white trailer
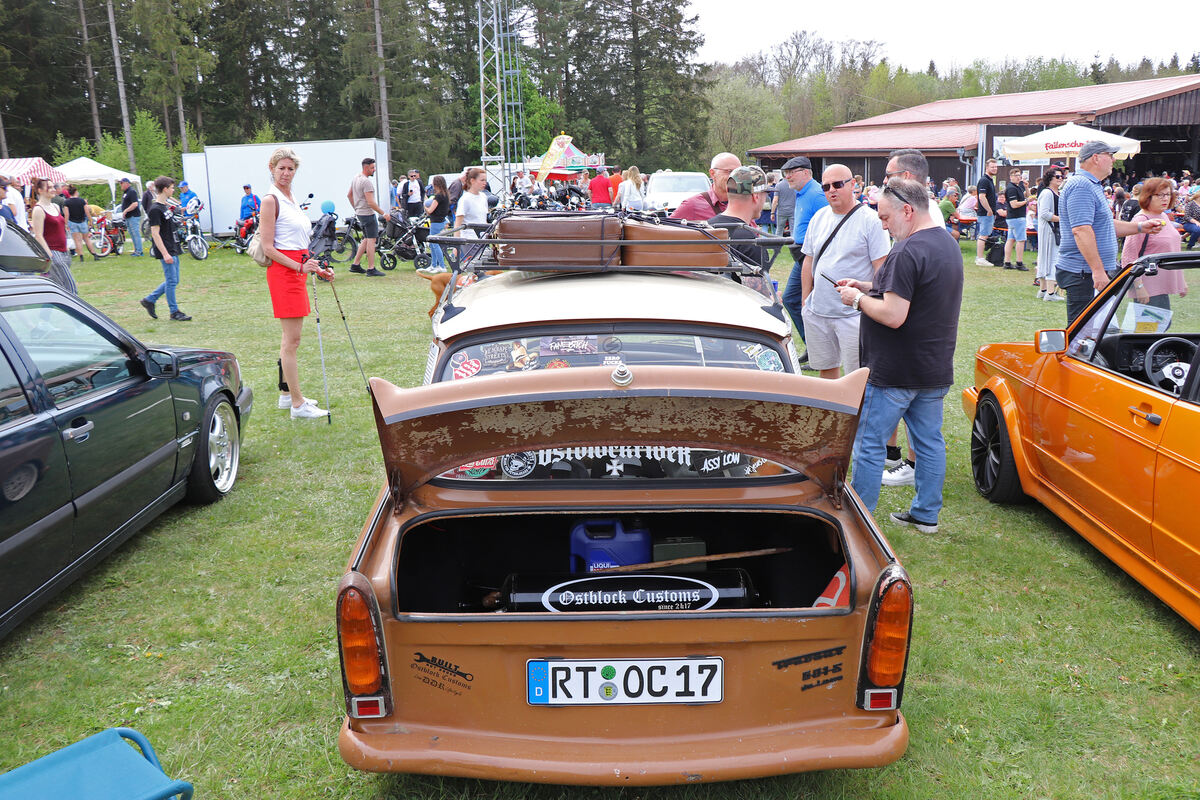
326 168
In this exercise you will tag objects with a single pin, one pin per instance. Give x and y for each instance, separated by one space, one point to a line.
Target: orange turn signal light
889 644
360 646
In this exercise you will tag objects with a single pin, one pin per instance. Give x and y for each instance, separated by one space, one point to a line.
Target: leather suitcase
641 247
565 228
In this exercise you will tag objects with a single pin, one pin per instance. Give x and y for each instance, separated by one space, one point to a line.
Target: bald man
709 204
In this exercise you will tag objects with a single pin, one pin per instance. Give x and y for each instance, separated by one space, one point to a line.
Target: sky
733 30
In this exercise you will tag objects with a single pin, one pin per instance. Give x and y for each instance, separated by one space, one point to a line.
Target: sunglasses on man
829 187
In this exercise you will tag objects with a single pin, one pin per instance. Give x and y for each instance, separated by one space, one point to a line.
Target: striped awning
25 170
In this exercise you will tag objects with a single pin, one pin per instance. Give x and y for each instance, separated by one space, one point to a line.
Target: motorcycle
345 243
191 235
243 232
108 234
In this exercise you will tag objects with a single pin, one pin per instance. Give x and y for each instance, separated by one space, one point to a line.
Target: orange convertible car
1101 424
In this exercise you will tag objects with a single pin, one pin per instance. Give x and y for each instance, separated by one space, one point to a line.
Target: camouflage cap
748 180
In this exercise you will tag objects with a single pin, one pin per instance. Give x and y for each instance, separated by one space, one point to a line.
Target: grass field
1038 670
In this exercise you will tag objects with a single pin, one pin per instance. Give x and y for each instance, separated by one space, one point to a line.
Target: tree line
134 83
806 85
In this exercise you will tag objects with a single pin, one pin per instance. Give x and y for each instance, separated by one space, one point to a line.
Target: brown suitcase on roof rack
565 228
642 248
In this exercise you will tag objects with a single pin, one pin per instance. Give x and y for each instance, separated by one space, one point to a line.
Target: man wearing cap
844 240
1088 251
186 195
250 205
131 210
745 190
809 200
708 204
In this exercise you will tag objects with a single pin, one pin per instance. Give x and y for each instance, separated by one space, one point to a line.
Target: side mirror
161 364
1051 342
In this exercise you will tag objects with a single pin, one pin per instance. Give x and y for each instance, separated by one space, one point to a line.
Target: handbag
255 246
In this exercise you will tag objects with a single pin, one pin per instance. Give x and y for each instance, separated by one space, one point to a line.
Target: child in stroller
403 239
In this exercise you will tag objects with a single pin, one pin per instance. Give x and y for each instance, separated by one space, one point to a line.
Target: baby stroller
403 239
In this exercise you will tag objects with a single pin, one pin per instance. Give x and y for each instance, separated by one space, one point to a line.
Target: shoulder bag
833 236
255 246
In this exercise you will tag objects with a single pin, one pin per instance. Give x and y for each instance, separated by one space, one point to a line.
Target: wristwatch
857 299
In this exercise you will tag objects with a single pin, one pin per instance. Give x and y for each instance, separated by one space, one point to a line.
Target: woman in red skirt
285 231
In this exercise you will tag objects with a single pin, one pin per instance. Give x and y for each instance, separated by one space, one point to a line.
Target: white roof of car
522 298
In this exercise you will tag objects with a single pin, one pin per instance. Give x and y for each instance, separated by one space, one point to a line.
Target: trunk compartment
503 563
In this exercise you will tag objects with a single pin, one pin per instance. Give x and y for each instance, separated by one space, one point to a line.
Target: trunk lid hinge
836 488
394 483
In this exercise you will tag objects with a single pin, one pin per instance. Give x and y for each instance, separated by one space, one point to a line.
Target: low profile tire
992 464
387 261
218 453
422 261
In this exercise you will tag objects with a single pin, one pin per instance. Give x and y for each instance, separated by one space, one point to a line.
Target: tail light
360 641
888 632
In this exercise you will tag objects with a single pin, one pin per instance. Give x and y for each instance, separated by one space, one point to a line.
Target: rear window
678 183
608 349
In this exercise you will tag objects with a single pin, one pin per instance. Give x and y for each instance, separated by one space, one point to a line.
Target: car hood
807 424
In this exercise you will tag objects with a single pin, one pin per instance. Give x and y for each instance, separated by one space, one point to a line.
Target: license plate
624 681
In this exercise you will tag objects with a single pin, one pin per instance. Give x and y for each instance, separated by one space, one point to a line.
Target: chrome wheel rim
224 447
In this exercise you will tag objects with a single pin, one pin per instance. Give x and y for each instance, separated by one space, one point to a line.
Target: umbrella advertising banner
1065 141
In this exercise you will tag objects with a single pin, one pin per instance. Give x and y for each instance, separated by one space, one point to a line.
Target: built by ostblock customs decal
440 674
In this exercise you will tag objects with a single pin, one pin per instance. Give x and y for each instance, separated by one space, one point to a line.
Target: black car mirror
161 364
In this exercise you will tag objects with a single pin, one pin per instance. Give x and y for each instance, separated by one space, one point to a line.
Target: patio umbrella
1065 141
25 170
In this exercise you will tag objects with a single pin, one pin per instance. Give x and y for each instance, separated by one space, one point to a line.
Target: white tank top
293 230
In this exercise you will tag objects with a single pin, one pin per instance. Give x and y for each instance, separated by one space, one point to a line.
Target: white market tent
87 170
1066 141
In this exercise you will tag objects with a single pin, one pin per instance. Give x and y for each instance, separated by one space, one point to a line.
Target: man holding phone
844 240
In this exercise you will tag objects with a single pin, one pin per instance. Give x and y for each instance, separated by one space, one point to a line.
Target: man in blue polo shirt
809 200
1087 256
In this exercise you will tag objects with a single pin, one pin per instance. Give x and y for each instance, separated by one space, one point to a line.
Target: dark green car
99 434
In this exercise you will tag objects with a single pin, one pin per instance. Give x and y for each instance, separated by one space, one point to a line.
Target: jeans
435 249
1193 231
167 287
793 298
921 409
1079 289
134 225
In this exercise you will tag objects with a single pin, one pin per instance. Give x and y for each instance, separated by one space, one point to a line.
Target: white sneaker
308 410
889 463
285 402
1052 297
431 270
903 475
982 262
1041 294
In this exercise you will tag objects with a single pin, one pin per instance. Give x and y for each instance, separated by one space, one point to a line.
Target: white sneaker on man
285 402
1054 297
431 270
982 262
903 475
308 410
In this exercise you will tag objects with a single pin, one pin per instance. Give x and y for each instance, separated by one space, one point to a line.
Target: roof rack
475 256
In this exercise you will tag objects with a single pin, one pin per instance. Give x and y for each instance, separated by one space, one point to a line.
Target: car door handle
78 433
1152 418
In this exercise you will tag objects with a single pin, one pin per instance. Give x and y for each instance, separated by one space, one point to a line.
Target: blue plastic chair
100 767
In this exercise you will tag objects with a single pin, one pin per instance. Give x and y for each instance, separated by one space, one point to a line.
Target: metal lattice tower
501 107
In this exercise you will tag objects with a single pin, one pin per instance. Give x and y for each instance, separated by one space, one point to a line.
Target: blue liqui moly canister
602 543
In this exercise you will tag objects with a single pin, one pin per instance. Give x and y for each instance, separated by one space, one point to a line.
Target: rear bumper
732 755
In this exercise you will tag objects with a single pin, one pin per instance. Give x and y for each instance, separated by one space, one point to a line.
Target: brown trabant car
616 546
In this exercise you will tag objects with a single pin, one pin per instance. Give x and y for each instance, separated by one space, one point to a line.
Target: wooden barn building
958 136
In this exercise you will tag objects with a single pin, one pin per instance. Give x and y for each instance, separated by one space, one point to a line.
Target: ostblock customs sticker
438 673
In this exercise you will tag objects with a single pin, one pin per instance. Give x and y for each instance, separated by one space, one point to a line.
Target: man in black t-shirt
132 212
165 247
986 211
1016 197
907 334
